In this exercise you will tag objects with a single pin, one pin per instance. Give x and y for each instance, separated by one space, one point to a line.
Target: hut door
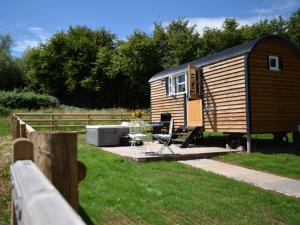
194 101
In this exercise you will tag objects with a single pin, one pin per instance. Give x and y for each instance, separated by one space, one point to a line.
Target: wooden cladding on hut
250 88
275 95
161 102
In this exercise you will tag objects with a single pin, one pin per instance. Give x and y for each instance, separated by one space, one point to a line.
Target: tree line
95 69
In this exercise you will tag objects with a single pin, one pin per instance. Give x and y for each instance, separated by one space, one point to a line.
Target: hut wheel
234 140
280 138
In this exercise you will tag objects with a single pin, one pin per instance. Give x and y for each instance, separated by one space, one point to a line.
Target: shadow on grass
263 144
85 216
268 146
215 141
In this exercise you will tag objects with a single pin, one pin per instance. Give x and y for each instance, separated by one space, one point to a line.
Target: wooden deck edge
177 157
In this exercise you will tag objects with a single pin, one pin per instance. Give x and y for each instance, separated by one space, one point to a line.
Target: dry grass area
79 118
5 146
70 109
5 160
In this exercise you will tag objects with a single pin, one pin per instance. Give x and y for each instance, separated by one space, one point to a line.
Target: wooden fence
35 200
49 151
39 155
19 129
71 121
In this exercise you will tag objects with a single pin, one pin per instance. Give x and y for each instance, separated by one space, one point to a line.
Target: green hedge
28 100
4 111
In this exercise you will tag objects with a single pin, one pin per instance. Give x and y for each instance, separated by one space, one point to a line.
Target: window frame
274 68
177 83
170 86
173 84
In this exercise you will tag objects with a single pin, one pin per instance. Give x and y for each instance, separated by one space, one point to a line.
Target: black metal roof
225 54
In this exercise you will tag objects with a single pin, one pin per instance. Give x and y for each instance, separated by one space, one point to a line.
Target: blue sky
32 21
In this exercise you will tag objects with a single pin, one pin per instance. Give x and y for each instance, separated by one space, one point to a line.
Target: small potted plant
137 114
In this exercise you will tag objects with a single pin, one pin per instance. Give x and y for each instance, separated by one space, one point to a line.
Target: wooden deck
194 152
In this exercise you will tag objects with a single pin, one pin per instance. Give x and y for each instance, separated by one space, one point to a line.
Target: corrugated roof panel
225 54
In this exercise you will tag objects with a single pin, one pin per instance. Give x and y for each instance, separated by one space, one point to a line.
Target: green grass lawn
4 126
285 164
267 155
117 191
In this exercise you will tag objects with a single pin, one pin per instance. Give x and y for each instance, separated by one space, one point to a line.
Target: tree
65 65
132 65
265 27
160 41
11 73
5 44
215 40
294 27
91 68
183 42
231 34
211 42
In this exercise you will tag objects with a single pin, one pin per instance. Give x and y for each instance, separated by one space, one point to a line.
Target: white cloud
201 23
22 45
217 22
59 28
276 7
36 29
34 36
40 33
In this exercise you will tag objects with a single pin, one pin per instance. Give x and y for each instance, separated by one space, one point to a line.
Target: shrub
28 100
4 111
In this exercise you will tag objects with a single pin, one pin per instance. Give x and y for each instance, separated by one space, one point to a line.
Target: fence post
15 127
55 153
52 121
22 130
12 126
89 118
22 149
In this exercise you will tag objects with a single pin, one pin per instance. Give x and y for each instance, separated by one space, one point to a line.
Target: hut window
176 84
170 86
274 63
180 83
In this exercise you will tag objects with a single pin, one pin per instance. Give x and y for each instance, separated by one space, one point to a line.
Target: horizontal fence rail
35 200
43 153
20 129
61 121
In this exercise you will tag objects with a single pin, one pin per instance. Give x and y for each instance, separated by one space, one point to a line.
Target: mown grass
281 159
4 126
278 163
117 191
